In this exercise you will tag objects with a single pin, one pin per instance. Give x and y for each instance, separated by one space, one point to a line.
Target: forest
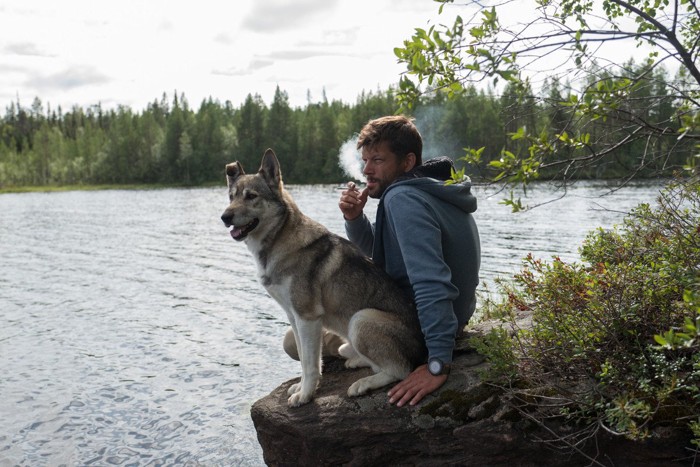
171 143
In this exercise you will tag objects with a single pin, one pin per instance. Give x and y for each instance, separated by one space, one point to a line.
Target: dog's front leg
309 335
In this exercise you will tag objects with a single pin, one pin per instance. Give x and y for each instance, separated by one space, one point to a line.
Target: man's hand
352 201
415 387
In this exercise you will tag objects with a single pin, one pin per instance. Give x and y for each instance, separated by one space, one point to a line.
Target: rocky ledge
464 423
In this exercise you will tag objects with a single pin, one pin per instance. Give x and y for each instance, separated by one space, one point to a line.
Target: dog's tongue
236 232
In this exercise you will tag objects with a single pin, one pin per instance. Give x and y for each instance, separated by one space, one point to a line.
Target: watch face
435 367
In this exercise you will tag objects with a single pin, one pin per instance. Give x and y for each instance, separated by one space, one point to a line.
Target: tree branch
671 37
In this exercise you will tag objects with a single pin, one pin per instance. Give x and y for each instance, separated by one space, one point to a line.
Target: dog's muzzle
239 233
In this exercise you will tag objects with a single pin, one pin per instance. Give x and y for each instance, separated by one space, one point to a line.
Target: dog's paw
357 362
358 388
294 388
366 384
299 398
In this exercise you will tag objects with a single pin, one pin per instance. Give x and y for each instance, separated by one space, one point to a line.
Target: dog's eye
250 195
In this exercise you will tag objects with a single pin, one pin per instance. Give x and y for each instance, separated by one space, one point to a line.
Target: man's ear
409 162
270 170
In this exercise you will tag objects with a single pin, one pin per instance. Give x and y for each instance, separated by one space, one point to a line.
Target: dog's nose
227 218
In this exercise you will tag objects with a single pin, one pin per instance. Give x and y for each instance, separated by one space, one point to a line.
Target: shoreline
96 187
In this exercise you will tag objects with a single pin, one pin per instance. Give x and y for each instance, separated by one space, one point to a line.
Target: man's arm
419 237
360 231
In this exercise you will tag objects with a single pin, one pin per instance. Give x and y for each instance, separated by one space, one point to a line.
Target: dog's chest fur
283 262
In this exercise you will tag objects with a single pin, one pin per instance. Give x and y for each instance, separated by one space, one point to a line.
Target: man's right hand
352 201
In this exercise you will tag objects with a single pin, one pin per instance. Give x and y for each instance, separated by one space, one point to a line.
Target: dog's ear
270 170
233 171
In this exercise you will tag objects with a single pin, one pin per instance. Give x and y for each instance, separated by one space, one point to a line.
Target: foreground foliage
615 340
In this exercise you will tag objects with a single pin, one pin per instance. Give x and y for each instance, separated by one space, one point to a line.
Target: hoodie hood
439 168
431 176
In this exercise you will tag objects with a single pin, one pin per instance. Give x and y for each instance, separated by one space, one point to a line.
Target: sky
126 52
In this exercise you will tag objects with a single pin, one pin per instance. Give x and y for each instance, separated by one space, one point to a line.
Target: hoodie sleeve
360 231
415 225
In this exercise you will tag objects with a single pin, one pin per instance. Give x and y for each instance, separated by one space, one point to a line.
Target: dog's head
253 198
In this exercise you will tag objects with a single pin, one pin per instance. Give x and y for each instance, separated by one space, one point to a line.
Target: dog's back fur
322 281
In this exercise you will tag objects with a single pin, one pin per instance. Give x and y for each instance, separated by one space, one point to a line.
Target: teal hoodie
426 238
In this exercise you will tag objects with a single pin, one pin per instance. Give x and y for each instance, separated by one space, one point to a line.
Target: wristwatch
438 367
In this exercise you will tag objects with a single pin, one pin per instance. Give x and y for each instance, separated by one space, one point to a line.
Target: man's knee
289 344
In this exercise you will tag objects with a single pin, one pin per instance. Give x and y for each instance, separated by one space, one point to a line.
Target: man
424 236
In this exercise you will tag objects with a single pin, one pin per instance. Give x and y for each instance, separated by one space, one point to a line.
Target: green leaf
661 341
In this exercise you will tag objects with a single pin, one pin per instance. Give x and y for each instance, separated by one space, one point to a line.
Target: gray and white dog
322 281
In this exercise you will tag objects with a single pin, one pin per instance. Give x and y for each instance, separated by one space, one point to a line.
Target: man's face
382 168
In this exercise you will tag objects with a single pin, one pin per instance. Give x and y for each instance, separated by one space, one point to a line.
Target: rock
464 423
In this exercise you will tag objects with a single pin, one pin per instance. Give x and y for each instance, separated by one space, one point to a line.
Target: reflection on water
133 329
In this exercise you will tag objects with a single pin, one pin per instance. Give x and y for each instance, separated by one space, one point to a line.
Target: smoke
437 142
350 159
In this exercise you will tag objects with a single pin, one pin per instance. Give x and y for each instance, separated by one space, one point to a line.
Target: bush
614 339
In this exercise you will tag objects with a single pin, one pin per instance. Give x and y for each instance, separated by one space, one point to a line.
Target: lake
133 330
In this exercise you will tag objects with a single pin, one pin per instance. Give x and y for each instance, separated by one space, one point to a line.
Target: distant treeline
171 143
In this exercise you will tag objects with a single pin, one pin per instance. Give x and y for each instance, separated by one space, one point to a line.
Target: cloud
253 66
223 38
297 54
261 62
25 49
272 16
337 37
166 26
70 78
6 68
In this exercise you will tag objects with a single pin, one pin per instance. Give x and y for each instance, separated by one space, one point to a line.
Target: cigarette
352 186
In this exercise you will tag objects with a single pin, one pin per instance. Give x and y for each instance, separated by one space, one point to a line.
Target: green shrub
614 338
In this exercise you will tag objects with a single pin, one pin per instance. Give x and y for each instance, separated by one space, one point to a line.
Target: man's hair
398 131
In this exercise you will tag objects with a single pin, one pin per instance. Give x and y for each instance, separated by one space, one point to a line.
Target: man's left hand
415 387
